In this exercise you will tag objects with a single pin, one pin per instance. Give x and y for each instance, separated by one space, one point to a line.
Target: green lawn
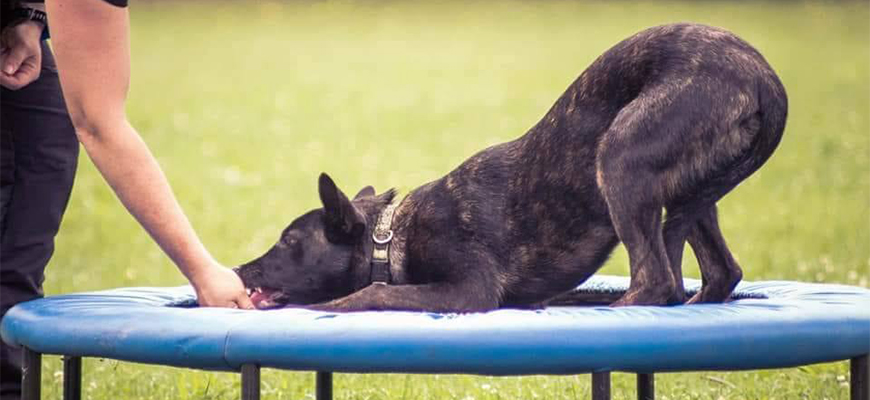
244 104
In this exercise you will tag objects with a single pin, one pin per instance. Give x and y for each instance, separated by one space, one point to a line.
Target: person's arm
92 49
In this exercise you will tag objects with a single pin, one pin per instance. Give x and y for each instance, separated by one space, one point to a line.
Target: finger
244 302
13 59
27 72
11 82
207 301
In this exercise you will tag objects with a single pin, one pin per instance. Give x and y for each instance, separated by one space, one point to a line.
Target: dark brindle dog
671 119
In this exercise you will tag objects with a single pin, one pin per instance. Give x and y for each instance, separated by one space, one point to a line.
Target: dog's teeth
259 290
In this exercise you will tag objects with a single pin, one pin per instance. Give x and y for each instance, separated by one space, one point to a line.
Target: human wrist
198 272
25 15
29 28
36 6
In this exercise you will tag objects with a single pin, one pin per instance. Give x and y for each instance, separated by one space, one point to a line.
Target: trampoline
772 324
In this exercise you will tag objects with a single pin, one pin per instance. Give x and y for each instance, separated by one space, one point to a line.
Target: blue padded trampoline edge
236 337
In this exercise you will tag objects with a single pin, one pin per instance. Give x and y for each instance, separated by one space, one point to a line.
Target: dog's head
314 259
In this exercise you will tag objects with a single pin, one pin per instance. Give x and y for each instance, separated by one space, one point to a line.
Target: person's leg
39 157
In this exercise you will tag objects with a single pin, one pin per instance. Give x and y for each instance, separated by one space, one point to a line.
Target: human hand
20 54
217 286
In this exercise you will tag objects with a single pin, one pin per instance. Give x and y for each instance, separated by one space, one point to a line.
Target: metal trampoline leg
31 375
601 386
324 385
72 378
860 378
250 382
646 387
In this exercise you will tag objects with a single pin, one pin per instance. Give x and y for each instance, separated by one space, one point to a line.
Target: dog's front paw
330 306
710 296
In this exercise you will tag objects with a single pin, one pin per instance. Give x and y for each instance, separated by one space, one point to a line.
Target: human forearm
129 168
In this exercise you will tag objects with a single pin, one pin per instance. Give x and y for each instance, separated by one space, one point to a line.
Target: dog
665 122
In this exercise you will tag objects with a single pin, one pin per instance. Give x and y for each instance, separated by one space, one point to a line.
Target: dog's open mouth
265 297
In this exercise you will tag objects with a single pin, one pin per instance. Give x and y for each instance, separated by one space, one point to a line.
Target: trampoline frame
859 388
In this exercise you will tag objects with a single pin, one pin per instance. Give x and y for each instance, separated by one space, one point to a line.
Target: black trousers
38 157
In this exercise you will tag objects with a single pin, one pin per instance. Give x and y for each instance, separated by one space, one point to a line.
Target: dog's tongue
263 298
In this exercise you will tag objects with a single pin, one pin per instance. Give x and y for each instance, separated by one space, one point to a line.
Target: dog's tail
766 125
772 113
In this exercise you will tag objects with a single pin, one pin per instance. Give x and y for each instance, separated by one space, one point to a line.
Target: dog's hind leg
720 273
656 153
628 180
678 223
639 226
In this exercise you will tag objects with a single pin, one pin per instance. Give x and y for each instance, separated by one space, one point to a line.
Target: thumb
14 57
244 302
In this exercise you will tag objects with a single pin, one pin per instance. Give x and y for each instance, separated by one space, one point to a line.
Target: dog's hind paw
644 298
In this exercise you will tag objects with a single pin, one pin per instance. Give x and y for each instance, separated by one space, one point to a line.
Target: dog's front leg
435 297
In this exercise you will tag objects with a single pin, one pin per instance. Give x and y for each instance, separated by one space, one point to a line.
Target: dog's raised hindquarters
670 119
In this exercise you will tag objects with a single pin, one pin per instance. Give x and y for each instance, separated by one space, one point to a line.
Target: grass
245 103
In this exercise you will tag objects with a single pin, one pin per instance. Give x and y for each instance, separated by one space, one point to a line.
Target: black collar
382 237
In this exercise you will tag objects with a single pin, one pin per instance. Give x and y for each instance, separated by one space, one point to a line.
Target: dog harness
382 236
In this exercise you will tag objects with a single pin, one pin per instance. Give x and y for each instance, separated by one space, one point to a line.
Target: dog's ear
367 191
343 222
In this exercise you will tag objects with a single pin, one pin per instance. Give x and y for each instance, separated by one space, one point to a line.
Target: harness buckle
382 240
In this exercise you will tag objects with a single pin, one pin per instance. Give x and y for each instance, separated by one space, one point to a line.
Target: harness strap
382 236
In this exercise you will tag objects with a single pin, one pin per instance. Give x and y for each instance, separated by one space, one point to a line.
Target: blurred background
245 103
